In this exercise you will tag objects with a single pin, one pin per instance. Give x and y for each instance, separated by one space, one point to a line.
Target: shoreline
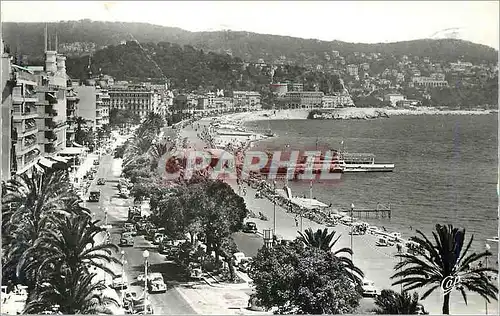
376 262
347 113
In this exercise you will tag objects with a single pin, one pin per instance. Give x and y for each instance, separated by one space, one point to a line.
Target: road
167 303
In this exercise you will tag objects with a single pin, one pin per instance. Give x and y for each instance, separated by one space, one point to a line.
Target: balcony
50 124
24 77
50 135
19 98
29 145
50 111
51 97
50 148
23 112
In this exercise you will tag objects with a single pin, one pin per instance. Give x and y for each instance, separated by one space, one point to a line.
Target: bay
446 169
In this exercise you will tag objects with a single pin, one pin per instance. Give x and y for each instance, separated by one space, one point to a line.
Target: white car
237 257
369 288
156 283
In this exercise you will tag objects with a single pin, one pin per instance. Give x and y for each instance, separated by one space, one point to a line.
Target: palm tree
394 303
79 133
442 260
325 241
78 294
26 208
72 247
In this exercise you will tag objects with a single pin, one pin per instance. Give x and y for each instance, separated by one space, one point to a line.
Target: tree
444 259
26 208
302 280
325 241
72 248
394 303
79 294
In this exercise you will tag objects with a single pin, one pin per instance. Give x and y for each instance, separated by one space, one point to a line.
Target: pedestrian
296 222
411 228
244 191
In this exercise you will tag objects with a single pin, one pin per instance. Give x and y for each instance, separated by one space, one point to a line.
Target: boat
363 162
494 239
269 133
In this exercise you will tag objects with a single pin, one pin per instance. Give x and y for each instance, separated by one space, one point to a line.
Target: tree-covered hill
192 69
80 37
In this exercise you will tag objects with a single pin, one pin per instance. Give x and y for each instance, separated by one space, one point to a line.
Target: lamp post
274 212
106 216
145 255
487 248
352 210
123 271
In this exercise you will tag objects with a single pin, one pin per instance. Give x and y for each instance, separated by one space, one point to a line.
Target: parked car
244 264
119 282
421 310
369 288
384 242
156 283
237 257
101 181
90 176
124 193
158 237
130 227
250 227
165 245
96 162
171 252
127 239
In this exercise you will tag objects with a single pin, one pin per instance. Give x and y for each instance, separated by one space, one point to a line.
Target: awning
17 67
76 144
44 162
72 151
60 159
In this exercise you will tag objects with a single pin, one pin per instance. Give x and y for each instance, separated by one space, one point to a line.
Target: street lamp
487 247
274 203
123 271
145 255
352 210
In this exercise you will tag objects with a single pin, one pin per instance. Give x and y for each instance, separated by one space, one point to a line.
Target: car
96 162
369 288
156 283
237 257
101 181
384 242
130 227
94 196
91 176
127 239
244 264
124 193
139 309
157 238
421 310
250 227
119 282
171 253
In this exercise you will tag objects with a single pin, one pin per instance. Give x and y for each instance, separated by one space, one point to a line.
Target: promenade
376 262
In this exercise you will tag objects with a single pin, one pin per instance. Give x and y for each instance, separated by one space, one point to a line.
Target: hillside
191 69
80 37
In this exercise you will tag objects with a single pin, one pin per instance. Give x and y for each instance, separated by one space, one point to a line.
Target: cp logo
449 283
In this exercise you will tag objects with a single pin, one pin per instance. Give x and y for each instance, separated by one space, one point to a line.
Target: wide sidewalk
376 262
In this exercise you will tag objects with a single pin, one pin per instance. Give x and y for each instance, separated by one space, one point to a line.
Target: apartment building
428 82
137 98
72 100
336 101
246 101
352 70
94 104
302 100
394 98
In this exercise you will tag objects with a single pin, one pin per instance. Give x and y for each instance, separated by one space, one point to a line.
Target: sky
350 21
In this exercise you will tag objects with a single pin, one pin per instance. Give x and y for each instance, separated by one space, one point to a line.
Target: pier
381 211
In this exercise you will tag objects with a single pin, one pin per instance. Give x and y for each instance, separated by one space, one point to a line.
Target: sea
446 169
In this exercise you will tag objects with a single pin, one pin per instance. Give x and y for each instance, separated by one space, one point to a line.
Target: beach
347 113
376 262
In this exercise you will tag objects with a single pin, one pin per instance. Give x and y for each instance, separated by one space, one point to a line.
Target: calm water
446 169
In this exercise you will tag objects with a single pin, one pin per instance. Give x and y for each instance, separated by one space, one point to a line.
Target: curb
188 301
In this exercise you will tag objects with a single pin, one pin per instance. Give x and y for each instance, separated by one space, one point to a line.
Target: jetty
380 211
